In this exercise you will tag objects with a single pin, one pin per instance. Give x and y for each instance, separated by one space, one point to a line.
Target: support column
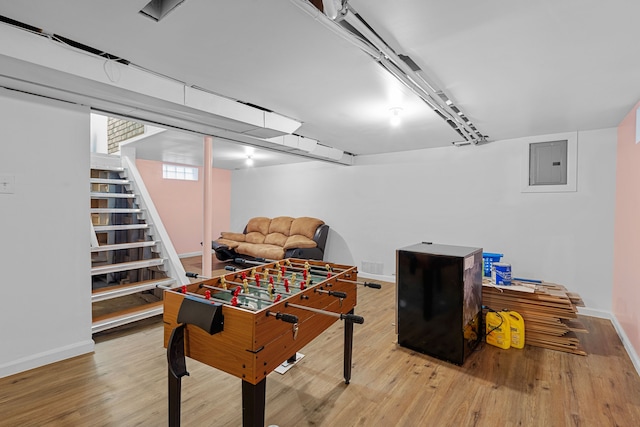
207 216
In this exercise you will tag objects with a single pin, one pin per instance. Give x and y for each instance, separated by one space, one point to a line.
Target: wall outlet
7 184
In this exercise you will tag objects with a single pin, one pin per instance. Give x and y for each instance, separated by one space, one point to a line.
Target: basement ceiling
515 68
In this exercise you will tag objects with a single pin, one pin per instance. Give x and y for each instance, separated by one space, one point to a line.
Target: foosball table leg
348 347
177 369
253 403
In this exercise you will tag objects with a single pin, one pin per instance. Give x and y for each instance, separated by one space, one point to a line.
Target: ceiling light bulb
249 161
395 116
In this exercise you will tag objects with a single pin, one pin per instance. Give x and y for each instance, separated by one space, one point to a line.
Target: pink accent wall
180 204
626 275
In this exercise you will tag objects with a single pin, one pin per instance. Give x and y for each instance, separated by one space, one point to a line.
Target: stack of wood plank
549 311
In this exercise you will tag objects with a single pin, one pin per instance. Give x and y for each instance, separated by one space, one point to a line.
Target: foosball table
249 321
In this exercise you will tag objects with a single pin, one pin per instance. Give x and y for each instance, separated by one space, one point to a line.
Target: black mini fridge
439 300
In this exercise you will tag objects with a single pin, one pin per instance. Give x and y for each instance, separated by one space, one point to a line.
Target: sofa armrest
320 237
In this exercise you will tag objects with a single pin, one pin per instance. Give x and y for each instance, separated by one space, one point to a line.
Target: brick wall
119 130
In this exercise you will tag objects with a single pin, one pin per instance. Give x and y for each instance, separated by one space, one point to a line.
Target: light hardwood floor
124 383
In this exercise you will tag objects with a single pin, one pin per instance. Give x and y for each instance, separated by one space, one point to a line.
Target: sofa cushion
278 239
299 241
237 237
261 250
281 224
254 237
305 226
259 224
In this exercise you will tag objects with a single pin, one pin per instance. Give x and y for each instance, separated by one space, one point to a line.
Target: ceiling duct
36 63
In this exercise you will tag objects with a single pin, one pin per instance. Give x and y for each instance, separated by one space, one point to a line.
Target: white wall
45 305
468 196
99 139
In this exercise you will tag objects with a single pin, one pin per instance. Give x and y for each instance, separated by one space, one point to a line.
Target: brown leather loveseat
274 239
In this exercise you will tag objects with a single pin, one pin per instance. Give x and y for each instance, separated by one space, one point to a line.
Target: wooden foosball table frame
251 343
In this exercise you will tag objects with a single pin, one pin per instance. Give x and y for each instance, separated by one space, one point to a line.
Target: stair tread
130 245
122 317
108 181
103 167
120 227
143 284
115 210
123 266
102 194
117 291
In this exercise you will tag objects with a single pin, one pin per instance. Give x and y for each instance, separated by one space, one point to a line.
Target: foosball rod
221 301
263 261
196 276
350 317
365 284
266 289
202 285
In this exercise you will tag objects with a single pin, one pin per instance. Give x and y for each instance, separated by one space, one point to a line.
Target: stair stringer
173 266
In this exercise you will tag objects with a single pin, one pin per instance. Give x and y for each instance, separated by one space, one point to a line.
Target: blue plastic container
488 259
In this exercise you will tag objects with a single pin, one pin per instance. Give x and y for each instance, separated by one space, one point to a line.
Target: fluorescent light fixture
249 161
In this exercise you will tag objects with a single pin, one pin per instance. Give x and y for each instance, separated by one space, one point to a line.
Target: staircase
129 265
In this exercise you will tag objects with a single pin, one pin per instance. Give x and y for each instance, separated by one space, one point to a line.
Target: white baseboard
633 355
593 312
45 358
380 277
602 314
190 254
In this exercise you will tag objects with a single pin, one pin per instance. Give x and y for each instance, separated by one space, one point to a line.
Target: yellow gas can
498 331
516 324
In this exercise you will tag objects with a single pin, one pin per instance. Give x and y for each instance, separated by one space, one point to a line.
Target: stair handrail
175 268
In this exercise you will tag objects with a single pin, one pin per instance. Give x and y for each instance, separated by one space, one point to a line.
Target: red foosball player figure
257 278
286 285
237 291
234 301
207 294
278 297
302 285
184 289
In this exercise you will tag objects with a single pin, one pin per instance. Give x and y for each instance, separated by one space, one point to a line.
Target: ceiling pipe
338 30
351 16
382 53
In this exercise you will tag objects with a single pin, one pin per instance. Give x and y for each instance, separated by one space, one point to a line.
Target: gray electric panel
548 163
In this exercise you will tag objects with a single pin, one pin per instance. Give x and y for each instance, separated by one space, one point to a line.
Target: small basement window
185 173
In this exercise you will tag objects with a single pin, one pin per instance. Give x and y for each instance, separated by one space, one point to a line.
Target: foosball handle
193 275
352 318
372 285
338 294
289 318
285 317
230 268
